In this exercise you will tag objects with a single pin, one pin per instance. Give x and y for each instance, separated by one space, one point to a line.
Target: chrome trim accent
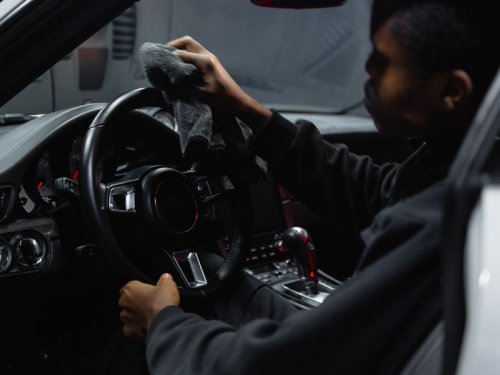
37 244
128 194
311 299
191 259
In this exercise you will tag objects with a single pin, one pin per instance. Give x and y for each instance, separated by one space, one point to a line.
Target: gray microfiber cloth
177 80
196 122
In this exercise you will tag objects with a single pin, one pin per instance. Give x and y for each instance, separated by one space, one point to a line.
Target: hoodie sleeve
367 326
346 188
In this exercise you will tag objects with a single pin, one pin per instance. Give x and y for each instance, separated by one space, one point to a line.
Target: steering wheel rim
96 210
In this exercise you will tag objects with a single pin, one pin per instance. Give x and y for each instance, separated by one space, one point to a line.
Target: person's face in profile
400 101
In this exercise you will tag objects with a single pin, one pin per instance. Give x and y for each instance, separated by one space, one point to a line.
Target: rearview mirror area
299 4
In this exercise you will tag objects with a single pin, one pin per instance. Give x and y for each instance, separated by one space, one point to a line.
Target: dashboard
34 155
39 174
43 233
48 255
39 193
54 278
41 225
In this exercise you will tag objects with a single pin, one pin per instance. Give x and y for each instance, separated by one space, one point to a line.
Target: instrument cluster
40 191
46 181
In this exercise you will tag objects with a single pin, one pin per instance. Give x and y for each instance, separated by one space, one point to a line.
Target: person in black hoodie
431 64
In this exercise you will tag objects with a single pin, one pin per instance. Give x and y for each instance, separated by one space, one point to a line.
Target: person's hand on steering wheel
219 88
141 302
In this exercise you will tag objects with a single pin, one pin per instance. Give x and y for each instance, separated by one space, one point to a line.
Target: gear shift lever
299 244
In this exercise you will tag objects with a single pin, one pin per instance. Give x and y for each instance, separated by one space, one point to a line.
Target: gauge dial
45 181
26 203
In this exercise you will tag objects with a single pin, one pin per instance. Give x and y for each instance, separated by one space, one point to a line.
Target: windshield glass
288 59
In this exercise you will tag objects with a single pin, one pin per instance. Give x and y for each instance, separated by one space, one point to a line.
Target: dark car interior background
59 292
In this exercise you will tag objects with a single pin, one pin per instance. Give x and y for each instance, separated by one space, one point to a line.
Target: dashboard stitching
38 128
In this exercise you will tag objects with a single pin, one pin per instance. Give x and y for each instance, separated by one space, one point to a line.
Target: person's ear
458 89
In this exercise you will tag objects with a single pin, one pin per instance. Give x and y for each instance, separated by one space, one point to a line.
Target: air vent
124 27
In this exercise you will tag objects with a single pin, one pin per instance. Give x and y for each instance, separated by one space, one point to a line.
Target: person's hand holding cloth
206 103
202 96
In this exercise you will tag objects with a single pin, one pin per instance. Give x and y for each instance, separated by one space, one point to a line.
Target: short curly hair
446 34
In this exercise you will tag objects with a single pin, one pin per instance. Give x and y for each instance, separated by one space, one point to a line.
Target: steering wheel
171 204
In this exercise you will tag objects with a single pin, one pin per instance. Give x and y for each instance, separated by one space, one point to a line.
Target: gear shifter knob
299 244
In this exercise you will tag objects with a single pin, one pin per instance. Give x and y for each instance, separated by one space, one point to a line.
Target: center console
269 261
282 276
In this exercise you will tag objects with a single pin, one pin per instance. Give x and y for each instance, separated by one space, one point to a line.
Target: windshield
288 59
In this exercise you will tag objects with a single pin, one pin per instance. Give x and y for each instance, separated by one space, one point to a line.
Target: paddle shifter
299 244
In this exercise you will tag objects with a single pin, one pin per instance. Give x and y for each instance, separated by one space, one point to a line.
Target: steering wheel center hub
176 205
169 202
161 203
